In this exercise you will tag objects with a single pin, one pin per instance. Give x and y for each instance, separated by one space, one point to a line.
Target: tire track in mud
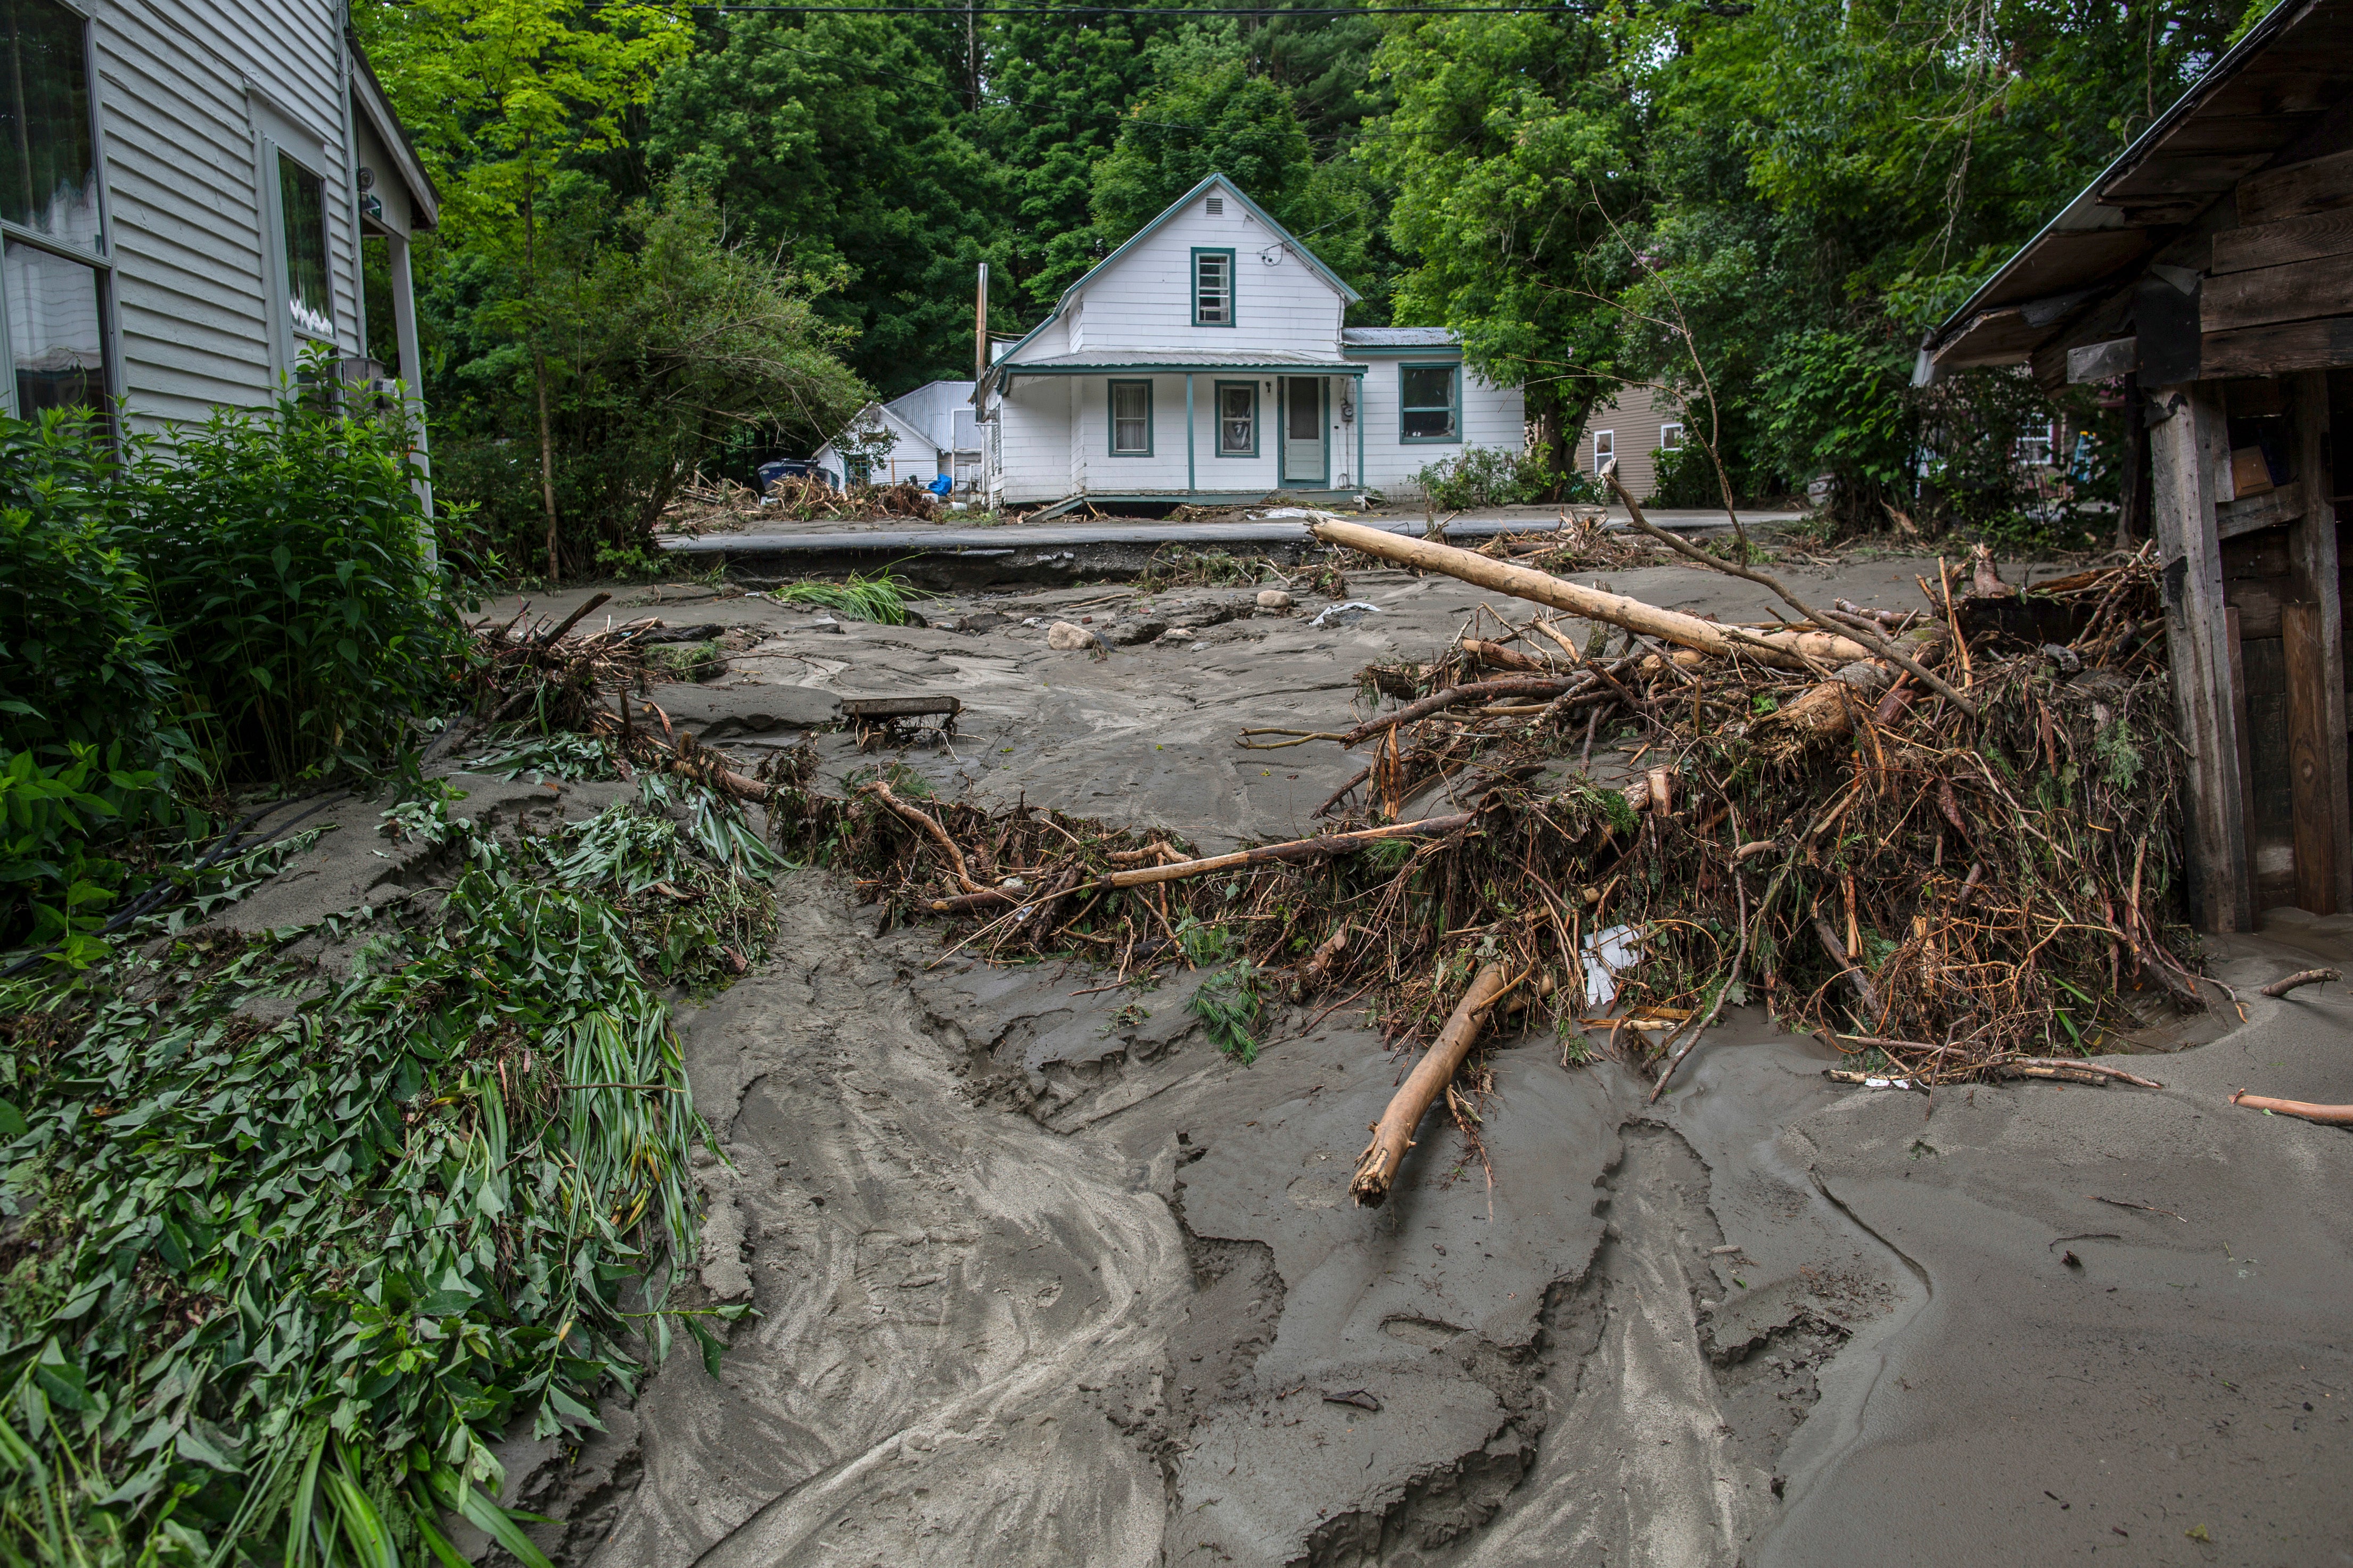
942 1288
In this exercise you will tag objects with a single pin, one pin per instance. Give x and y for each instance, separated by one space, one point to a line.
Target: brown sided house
2210 269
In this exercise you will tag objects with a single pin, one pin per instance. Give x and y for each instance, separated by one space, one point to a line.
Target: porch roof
1179 362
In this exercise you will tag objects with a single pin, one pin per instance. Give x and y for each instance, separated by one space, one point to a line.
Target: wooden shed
2211 267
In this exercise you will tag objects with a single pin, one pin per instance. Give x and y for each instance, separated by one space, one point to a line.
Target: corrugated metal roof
1397 337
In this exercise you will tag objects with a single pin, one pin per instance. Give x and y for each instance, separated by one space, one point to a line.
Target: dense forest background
680 239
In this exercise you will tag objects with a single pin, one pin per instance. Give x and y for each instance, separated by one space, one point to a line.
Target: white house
188 195
920 435
1205 360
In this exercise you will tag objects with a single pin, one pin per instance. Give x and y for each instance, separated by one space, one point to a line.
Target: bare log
2332 1115
1877 643
1792 648
1503 657
572 620
2302 977
1393 1134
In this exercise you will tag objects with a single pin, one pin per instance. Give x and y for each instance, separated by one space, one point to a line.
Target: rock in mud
1064 637
1273 599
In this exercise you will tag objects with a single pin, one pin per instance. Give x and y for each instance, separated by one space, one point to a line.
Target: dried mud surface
1042 1281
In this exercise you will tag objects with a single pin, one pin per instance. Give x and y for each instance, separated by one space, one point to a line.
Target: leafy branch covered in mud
292 1240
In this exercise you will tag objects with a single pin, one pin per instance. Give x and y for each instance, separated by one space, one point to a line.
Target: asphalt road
790 539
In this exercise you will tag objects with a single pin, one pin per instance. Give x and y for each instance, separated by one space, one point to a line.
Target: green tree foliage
841 141
669 340
1059 89
1208 112
1515 151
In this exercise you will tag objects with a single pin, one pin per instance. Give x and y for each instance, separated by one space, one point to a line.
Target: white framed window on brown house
290 168
56 275
1671 438
1605 448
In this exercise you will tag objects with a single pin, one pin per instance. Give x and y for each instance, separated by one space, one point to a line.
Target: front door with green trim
1306 454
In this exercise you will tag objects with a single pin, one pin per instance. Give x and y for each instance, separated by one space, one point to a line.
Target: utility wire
1264 14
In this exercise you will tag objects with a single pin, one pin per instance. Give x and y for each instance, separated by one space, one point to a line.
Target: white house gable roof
1110 317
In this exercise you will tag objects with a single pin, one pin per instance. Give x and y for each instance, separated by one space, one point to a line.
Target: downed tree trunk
2332 1115
1791 648
1393 1134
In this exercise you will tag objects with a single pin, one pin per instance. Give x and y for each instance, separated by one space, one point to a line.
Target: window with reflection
49 164
303 201
55 332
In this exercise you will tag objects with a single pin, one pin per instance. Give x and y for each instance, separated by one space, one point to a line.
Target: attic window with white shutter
1216 206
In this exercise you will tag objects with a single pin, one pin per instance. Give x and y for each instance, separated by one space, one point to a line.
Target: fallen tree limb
929 830
1593 604
1439 701
2302 977
1393 1134
1636 795
1850 971
1503 657
2330 1115
1873 641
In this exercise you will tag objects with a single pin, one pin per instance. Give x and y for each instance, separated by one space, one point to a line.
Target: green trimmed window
1213 288
1429 400
1237 419
1131 419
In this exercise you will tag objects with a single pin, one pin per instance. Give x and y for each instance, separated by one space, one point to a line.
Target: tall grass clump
882 598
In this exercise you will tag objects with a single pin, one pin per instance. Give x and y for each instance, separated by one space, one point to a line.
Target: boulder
1064 637
1273 599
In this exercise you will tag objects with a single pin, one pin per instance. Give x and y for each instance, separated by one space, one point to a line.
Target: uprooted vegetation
307 1235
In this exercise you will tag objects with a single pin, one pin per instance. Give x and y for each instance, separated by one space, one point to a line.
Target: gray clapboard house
189 192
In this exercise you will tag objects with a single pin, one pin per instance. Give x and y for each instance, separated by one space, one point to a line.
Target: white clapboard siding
185 207
1490 416
1033 442
1143 300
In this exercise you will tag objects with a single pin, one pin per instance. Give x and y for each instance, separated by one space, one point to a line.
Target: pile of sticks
805 498
1955 857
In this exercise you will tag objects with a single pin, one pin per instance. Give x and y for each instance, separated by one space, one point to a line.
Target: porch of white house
1208 432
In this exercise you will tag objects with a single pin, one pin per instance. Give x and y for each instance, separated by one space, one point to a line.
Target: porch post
1191 485
2314 541
1359 393
412 372
2187 446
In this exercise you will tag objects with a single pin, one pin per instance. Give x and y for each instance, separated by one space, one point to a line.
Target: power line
1265 13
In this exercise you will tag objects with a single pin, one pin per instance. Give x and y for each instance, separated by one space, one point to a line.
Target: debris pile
806 497
1951 852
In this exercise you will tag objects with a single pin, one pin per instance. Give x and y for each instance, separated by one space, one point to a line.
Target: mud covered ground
1042 1278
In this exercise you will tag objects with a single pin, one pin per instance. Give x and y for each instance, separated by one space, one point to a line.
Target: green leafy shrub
287 550
90 738
1487 476
1685 478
